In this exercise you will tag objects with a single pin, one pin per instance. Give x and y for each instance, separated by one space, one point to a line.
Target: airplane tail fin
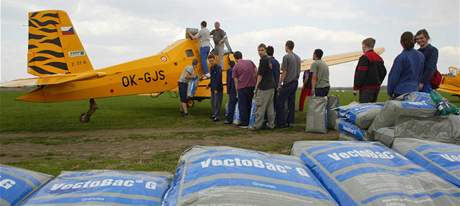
54 46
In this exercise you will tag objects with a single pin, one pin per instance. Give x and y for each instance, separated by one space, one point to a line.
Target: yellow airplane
64 72
451 82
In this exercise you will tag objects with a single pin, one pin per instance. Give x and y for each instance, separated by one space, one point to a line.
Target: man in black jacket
369 74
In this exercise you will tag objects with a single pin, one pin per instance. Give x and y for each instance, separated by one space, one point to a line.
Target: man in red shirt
369 74
244 75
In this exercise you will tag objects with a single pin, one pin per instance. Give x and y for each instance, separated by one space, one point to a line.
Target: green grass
117 112
25 142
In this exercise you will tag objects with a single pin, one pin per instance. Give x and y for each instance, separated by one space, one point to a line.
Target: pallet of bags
369 173
441 159
17 184
346 128
232 176
393 110
103 187
439 128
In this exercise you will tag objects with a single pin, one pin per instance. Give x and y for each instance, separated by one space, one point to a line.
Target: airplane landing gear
85 117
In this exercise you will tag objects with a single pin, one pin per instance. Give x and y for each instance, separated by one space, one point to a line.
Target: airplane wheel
190 103
84 118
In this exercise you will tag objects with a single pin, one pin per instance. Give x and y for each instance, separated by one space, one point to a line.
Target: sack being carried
393 110
17 184
364 173
317 115
232 176
441 159
103 187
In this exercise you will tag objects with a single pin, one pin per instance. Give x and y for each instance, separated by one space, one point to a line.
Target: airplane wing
338 59
51 79
451 82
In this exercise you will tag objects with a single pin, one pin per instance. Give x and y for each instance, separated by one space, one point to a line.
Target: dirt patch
120 147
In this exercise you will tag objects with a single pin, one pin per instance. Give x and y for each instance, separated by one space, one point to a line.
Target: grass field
130 133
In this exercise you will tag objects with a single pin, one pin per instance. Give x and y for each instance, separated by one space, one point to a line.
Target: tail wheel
190 103
84 118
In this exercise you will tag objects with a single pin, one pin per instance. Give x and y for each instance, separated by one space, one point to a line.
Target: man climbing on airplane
220 40
187 75
205 46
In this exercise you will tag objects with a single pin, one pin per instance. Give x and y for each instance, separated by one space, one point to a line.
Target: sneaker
216 119
212 117
206 76
243 126
227 122
184 114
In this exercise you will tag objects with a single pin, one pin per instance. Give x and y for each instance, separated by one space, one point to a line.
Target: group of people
412 70
273 86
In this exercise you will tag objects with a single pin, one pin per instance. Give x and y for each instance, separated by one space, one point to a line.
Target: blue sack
192 86
419 97
103 187
232 176
16 184
361 115
343 126
365 173
439 158
252 117
236 116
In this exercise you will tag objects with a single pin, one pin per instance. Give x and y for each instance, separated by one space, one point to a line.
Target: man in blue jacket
231 93
217 88
407 68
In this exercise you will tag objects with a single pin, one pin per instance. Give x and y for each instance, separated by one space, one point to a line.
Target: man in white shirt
205 47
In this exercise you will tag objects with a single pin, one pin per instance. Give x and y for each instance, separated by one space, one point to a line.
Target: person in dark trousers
431 59
244 76
320 75
306 89
217 88
406 72
185 77
275 69
287 87
265 90
369 73
231 93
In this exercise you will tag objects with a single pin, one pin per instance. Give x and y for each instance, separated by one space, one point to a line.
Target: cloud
116 31
306 39
448 56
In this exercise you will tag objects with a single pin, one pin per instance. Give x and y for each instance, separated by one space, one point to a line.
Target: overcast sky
117 31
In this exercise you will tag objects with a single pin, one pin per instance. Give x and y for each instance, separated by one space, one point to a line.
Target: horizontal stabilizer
51 79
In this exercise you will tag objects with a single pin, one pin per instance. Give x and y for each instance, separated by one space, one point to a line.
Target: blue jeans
427 88
231 106
204 51
286 94
244 104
